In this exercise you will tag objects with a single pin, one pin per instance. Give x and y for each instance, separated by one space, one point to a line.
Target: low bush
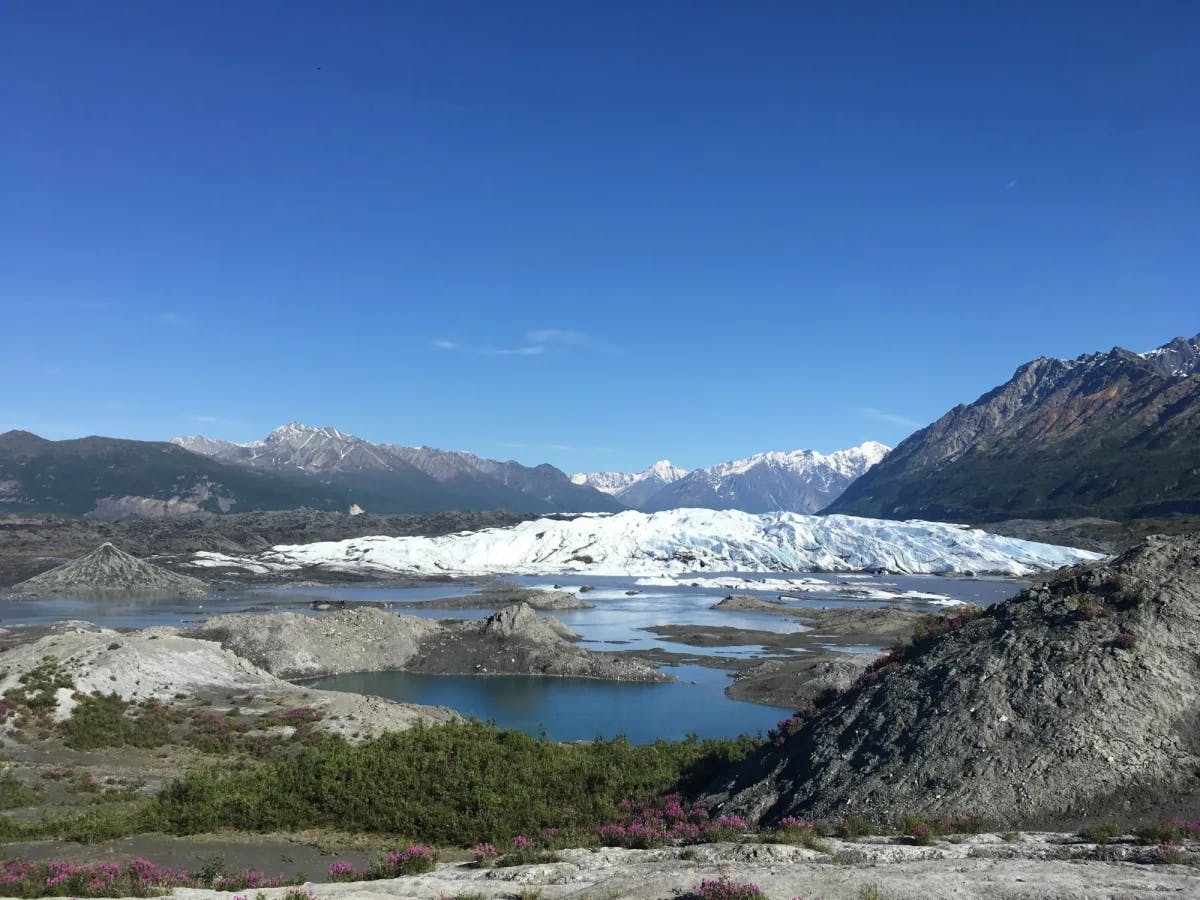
455 784
724 888
412 860
13 793
1100 834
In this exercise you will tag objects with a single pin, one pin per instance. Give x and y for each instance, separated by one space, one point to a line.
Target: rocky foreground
1074 700
988 867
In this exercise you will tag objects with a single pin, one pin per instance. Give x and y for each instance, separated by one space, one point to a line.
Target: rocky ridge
1107 434
380 475
1079 698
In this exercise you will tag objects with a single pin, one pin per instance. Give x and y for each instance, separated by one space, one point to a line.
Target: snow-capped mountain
632 489
296 446
1177 359
681 540
391 478
800 481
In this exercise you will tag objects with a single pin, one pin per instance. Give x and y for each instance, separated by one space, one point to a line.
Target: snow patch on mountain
802 481
615 482
682 540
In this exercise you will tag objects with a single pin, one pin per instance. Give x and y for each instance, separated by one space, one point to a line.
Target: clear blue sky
593 234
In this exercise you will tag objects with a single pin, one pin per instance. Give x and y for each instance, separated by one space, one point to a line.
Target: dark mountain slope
106 475
1113 434
385 477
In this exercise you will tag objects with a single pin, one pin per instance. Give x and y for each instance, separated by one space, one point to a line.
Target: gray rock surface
489 598
165 664
1033 867
512 641
108 569
1041 709
291 645
750 603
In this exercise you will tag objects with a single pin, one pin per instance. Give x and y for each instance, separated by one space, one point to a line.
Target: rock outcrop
291 645
108 569
1075 699
513 641
495 597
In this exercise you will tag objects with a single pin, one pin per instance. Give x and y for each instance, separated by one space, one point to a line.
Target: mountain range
392 478
114 478
632 489
1113 434
798 481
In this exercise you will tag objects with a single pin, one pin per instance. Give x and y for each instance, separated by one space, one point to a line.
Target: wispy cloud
204 419
569 338
1012 184
168 318
891 418
536 343
556 448
531 350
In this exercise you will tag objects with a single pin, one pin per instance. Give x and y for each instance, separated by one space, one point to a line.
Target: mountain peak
293 430
1178 358
1109 434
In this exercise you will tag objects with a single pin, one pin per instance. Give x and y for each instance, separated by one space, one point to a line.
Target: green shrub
108 721
451 784
13 793
1100 834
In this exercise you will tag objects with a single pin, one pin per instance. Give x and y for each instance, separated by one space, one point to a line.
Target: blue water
576 709
566 709
125 612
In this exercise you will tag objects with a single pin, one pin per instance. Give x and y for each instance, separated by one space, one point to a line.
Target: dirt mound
162 663
1074 699
108 569
291 645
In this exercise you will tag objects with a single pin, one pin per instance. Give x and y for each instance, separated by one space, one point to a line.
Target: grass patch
14 793
1101 834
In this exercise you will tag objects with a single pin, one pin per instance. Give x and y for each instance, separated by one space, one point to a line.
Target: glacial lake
567 709
577 709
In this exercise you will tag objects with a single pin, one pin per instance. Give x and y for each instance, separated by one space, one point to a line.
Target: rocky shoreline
511 641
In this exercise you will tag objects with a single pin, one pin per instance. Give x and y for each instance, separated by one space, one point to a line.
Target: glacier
675 541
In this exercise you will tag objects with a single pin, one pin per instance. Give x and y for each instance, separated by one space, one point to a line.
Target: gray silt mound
1041 709
108 569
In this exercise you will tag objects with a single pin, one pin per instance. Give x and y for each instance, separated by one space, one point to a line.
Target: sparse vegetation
1100 834
724 888
14 793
